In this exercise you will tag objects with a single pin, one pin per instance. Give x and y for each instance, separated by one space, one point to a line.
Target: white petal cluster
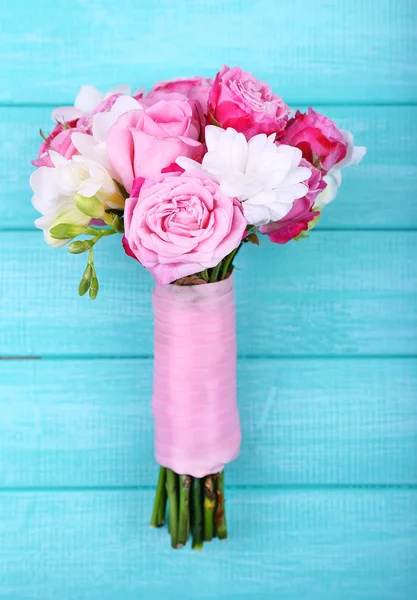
54 189
265 177
333 178
85 102
94 146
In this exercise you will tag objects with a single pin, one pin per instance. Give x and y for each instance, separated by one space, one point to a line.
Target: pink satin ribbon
197 427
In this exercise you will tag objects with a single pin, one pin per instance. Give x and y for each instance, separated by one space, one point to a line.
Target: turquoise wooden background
323 500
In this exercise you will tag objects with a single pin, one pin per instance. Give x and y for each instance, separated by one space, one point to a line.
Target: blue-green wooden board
322 502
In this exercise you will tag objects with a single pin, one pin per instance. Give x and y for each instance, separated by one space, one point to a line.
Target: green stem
172 493
158 513
204 275
215 272
220 515
90 230
184 516
227 262
209 505
197 514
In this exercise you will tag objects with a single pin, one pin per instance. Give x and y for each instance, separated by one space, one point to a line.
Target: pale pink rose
59 140
144 142
180 224
239 100
194 88
318 138
198 119
301 213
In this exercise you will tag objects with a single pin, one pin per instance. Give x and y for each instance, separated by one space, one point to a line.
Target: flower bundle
188 174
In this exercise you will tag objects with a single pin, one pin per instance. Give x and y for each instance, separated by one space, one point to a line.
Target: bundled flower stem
209 505
172 494
158 514
184 511
197 515
220 515
195 505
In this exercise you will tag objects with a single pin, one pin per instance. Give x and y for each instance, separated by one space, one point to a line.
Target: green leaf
43 136
316 162
214 121
115 211
122 189
314 222
253 238
115 222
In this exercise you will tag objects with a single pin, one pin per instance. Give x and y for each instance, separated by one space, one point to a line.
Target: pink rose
58 140
318 138
180 224
144 142
301 213
195 89
248 105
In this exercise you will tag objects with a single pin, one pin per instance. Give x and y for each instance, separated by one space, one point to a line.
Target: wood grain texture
89 423
349 545
344 293
345 51
380 192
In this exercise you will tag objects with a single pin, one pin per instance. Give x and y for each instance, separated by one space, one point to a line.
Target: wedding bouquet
188 174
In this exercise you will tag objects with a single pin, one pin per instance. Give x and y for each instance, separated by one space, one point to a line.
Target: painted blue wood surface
323 499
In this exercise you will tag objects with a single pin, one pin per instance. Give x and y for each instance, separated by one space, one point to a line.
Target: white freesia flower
333 178
55 187
265 177
86 100
94 146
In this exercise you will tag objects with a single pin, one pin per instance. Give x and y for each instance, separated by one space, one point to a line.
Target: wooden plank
343 293
370 196
320 545
347 51
89 423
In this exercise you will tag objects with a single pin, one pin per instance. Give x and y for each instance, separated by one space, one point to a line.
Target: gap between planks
302 487
300 357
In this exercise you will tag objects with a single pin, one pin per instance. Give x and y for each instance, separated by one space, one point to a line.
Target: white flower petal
354 153
188 164
57 159
88 98
102 122
64 114
257 172
256 214
90 149
333 180
212 136
119 89
358 153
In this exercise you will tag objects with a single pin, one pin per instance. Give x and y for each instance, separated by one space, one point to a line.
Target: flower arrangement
188 174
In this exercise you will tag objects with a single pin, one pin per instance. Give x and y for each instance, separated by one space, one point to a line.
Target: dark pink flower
239 100
318 138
